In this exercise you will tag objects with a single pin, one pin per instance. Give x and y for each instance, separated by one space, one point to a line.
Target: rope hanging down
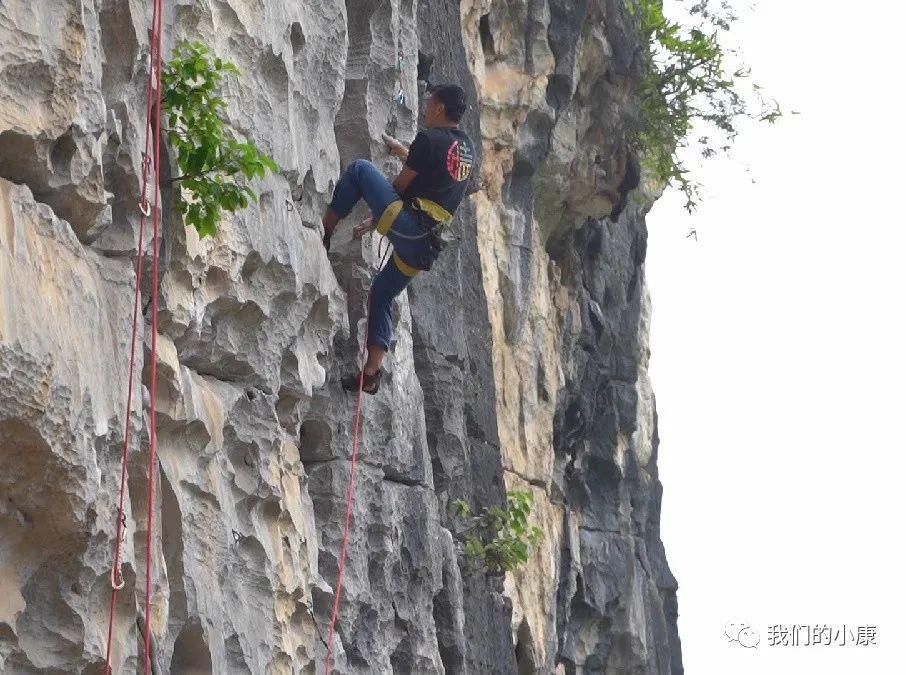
350 492
153 92
152 417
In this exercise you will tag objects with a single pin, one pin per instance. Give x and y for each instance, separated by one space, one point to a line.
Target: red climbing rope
350 493
350 498
152 421
116 574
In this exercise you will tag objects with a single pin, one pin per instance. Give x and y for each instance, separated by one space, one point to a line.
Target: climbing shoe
370 383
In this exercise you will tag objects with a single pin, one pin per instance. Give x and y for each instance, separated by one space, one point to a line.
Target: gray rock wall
520 361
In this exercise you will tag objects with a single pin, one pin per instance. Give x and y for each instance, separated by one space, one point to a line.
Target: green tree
500 537
690 94
214 167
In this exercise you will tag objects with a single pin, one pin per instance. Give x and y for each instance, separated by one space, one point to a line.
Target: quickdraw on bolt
116 580
116 573
399 97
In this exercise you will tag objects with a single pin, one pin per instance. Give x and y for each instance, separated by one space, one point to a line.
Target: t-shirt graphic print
459 161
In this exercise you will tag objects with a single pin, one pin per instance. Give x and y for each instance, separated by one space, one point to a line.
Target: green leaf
462 508
270 163
207 228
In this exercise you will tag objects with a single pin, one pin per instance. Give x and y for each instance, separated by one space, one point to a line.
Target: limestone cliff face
520 360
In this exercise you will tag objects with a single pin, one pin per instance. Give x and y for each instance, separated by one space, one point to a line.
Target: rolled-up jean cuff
338 211
379 343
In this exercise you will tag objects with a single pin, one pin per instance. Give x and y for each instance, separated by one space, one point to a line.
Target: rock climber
410 212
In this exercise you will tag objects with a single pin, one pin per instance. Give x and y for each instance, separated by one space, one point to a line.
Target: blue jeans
363 180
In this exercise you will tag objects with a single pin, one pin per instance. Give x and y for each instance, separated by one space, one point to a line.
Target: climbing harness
350 492
116 574
423 208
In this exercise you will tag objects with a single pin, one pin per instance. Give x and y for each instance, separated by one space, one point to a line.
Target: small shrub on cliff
214 168
499 538
690 90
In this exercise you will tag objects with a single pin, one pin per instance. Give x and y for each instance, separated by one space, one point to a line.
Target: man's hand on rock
395 147
363 228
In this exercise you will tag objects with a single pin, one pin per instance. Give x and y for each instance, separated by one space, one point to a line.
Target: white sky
778 354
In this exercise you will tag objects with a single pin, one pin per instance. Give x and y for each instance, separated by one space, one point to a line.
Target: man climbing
409 212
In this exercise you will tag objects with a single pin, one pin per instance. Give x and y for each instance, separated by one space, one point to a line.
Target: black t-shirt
442 159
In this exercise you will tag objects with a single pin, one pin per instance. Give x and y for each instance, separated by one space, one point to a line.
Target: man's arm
402 182
416 158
